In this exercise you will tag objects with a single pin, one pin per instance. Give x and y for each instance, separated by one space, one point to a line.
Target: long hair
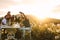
24 16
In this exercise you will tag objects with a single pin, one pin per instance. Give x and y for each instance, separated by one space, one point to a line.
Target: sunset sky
39 8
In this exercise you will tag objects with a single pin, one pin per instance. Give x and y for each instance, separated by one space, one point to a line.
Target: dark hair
21 12
8 11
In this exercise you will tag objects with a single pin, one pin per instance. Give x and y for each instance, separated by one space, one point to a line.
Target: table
20 28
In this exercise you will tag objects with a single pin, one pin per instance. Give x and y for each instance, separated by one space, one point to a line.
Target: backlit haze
38 8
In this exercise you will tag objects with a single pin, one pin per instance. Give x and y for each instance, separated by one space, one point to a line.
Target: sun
42 16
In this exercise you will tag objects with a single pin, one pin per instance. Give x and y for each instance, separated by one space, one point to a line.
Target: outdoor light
17 0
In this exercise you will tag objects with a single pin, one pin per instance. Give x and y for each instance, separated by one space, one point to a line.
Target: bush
37 34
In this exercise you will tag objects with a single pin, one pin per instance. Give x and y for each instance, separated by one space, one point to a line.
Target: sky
39 8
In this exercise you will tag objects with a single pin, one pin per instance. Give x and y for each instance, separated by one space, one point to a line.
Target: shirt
4 21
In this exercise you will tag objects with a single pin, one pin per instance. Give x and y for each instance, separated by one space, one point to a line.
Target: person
25 20
8 17
4 21
17 19
12 19
18 34
5 33
22 15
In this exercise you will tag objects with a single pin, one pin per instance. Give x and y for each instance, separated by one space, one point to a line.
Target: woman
25 20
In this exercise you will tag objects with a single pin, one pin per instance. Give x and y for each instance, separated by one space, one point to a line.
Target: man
4 21
8 17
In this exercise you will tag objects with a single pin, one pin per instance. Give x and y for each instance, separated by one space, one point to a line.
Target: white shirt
4 21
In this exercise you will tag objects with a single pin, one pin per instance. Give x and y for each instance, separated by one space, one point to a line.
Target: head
8 13
22 14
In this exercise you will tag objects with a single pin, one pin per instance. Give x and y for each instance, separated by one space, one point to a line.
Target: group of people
11 19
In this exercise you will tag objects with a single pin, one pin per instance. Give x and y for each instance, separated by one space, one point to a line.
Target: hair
8 11
23 14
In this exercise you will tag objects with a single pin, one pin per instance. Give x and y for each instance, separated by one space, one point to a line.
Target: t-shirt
4 21
26 23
